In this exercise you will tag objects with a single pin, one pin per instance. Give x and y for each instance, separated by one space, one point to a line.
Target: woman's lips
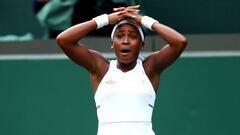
125 51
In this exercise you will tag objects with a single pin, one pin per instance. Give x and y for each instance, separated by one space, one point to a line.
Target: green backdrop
197 96
186 16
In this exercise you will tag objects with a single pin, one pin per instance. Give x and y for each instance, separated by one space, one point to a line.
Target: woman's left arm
176 43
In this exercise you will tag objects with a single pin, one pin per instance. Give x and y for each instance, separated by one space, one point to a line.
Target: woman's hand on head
129 9
130 12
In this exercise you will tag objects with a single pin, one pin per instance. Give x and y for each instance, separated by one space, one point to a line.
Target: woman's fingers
133 7
123 12
133 11
124 8
118 9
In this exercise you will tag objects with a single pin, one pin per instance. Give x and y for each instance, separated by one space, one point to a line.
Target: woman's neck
125 67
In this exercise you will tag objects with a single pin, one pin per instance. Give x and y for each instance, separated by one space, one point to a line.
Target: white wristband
148 22
101 20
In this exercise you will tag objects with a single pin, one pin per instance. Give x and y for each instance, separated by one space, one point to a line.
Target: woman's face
127 43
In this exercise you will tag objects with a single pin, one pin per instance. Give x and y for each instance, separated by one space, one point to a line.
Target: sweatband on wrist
148 22
101 20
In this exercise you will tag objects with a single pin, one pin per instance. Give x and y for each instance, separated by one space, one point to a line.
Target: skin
126 38
127 45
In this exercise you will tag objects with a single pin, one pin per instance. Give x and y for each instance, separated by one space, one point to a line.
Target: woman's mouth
125 51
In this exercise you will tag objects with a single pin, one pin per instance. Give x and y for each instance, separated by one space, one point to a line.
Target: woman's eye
133 36
119 36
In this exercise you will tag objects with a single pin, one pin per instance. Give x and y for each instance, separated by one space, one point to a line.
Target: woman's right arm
76 51
68 41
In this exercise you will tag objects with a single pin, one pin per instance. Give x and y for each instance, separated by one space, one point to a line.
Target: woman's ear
112 46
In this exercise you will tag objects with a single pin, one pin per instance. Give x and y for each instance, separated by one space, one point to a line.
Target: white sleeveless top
125 96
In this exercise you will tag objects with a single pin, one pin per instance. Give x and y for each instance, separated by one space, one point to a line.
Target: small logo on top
110 81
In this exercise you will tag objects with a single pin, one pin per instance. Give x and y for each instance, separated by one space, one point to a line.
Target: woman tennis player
124 89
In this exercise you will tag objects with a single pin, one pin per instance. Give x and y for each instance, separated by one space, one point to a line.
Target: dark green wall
197 16
187 16
197 96
17 17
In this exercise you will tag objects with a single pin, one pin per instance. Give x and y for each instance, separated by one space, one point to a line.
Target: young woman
125 89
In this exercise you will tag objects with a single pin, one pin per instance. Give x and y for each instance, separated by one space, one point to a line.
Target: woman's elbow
183 43
61 40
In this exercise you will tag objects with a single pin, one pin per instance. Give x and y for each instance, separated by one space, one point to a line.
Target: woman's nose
125 40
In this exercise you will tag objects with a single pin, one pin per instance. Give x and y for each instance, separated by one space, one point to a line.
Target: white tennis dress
125 102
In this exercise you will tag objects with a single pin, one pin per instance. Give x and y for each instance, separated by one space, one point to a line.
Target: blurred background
42 92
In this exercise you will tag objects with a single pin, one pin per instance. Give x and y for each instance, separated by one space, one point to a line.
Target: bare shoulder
152 73
149 63
102 64
149 66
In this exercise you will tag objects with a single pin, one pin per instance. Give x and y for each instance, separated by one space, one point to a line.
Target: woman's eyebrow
132 31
